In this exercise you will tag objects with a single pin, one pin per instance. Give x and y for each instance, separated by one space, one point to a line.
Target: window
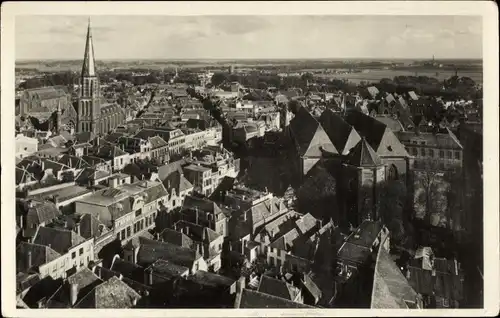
431 153
414 151
128 231
118 236
422 152
123 234
138 212
441 165
135 227
422 142
73 255
80 252
441 154
457 155
449 154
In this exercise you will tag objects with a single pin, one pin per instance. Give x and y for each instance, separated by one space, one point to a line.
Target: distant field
377 75
373 75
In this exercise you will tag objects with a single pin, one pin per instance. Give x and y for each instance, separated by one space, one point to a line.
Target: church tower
89 108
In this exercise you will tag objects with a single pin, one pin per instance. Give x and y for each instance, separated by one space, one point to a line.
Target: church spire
88 68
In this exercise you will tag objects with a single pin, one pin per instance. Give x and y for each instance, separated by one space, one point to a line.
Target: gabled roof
58 239
363 155
390 287
43 211
40 254
309 136
343 136
151 250
157 142
113 293
167 269
85 279
178 238
73 162
128 269
278 288
378 135
211 279
108 152
201 204
306 223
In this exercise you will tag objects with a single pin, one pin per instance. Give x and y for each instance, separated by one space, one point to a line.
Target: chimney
240 284
134 302
78 228
149 277
29 262
73 293
186 230
456 266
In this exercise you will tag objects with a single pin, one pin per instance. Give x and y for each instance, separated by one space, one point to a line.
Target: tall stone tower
89 108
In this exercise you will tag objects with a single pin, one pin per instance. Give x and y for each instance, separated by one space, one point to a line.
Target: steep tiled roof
306 223
278 288
85 279
362 155
73 162
390 287
309 136
211 279
90 226
58 239
157 142
178 238
44 211
151 250
378 135
177 181
40 254
108 152
113 293
394 124
254 299
343 136
23 176
128 269
167 269
201 204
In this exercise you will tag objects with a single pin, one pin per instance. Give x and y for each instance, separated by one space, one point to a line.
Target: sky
250 37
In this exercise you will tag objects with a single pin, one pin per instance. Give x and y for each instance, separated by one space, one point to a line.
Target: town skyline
207 37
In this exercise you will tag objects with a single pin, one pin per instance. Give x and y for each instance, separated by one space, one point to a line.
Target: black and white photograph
249 161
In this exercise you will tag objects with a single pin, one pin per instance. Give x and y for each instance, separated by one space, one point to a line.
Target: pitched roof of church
343 136
362 155
88 68
309 135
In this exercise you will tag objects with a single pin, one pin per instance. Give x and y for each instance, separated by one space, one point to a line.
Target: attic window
389 148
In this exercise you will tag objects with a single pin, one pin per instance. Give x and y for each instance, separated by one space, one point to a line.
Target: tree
391 200
317 194
430 189
219 78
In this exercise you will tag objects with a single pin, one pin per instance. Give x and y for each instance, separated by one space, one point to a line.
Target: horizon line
256 59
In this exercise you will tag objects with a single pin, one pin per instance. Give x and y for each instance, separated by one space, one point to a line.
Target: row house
205 212
127 209
137 148
146 252
159 149
437 151
114 155
54 252
205 240
195 138
174 137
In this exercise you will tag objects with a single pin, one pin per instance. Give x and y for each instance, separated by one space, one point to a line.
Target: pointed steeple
88 68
